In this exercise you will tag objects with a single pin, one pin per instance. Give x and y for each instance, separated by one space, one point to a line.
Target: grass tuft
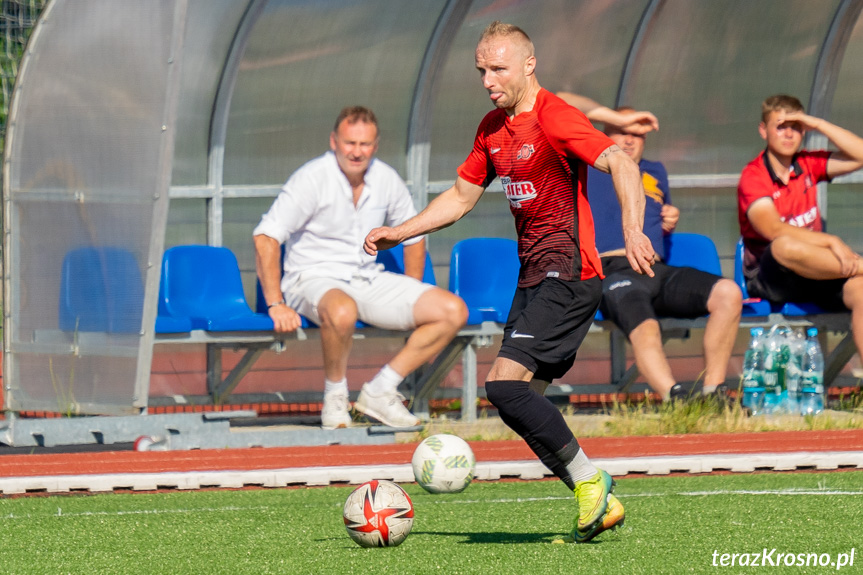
647 417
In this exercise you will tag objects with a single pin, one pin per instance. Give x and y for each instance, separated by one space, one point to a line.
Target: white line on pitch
443 501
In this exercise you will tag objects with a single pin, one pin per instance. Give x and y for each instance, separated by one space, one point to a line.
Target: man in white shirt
322 216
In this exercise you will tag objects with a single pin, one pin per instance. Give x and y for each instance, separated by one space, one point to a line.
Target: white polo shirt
314 216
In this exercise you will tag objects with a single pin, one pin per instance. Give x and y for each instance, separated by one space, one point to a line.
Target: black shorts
778 284
548 322
629 298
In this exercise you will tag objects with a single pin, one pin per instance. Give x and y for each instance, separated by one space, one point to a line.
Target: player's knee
455 310
725 296
439 305
500 393
339 315
852 293
646 331
726 293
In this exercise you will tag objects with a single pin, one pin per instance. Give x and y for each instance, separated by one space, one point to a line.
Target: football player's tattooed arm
630 193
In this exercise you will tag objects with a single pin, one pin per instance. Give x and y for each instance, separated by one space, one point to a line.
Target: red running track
30 465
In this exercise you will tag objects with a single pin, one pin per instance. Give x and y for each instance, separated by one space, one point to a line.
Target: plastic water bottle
796 341
776 356
753 372
812 376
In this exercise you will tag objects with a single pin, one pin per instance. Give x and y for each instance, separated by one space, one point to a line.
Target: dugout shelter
138 125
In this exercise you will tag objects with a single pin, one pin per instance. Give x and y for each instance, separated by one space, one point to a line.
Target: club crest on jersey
518 192
525 152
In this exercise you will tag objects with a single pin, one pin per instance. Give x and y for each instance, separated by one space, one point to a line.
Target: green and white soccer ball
444 463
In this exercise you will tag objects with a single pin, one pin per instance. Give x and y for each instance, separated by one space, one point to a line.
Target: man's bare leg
439 316
808 261
338 314
720 333
646 340
852 296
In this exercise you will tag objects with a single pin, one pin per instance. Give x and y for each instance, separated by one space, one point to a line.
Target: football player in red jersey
787 254
539 146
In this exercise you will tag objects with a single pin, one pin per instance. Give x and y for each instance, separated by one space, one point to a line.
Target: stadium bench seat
484 273
203 284
692 250
393 261
101 291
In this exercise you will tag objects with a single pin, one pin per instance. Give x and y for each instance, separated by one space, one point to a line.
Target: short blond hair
498 29
780 102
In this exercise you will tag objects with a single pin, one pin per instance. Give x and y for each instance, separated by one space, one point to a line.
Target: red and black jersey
796 201
540 158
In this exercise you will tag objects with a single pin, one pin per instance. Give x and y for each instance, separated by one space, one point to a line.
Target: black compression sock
548 458
536 420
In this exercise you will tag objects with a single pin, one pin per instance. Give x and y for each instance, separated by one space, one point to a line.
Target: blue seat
692 250
751 306
393 260
101 290
203 284
484 273
165 322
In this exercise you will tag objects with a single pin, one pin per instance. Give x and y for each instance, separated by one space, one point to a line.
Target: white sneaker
336 412
388 408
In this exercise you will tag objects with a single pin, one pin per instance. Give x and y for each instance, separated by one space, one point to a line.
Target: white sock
386 381
580 468
336 386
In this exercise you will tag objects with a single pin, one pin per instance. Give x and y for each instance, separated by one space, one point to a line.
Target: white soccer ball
444 464
378 513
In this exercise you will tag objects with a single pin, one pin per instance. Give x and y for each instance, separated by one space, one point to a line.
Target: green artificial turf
680 524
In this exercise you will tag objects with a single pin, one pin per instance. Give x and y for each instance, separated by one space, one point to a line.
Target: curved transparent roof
282 69
705 67
702 67
307 60
845 105
224 99
211 27
262 81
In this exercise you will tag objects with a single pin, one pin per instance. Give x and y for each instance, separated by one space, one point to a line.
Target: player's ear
530 65
333 141
762 129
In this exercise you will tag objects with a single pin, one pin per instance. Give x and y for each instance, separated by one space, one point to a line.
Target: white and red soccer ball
444 463
378 513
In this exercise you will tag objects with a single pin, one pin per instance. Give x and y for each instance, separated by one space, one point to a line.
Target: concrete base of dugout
211 430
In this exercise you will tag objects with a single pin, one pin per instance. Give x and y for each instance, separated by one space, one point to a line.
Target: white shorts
385 300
